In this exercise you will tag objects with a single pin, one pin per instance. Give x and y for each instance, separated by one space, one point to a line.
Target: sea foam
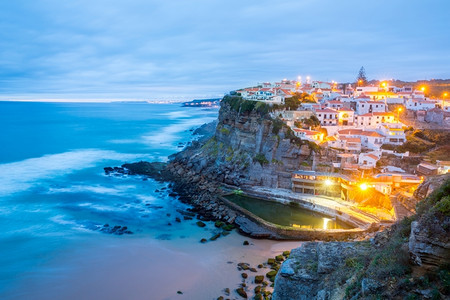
21 175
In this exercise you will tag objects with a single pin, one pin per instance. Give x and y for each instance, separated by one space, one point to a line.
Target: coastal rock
429 244
302 275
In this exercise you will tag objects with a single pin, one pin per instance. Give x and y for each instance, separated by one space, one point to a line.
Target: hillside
410 260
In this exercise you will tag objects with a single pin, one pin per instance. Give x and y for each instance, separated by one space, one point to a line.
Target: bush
261 159
277 124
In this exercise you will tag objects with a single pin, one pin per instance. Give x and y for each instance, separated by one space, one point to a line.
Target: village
361 127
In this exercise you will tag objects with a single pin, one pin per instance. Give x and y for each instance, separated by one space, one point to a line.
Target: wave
167 135
22 175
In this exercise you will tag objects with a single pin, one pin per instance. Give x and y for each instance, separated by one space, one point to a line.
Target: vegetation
261 159
242 106
361 79
422 141
389 264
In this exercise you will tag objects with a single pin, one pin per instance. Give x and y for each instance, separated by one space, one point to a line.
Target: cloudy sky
144 49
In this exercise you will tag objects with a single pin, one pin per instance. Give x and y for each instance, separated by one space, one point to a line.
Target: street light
363 186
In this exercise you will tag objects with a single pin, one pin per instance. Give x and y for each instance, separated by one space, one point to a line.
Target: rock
369 286
260 266
220 298
253 270
177 220
271 274
279 258
215 237
243 266
259 279
241 292
258 296
245 243
179 292
203 240
200 224
225 233
429 243
270 261
323 295
226 291
286 253
244 275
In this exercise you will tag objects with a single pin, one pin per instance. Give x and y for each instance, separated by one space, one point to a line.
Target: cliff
410 260
248 148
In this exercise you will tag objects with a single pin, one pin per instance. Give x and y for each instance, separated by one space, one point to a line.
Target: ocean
54 198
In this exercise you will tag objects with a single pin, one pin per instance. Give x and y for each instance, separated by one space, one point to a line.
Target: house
369 139
335 104
443 166
374 118
419 104
327 116
386 183
347 144
321 183
364 89
368 160
365 107
346 116
394 133
310 135
425 168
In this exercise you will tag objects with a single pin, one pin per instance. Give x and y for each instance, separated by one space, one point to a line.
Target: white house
369 139
364 107
374 118
310 135
364 89
348 144
394 133
368 160
346 116
419 104
327 116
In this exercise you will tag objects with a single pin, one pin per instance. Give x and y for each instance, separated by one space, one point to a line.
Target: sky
145 49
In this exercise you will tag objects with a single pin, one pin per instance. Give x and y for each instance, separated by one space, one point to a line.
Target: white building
346 116
327 116
364 107
394 133
369 139
419 104
374 119
368 160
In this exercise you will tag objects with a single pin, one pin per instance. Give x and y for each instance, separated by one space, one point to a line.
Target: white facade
365 107
327 116
419 104
374 119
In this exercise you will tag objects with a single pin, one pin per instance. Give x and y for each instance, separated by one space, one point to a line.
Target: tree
361 79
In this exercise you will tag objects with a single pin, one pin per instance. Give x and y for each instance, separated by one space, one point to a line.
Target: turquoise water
286 215
54 194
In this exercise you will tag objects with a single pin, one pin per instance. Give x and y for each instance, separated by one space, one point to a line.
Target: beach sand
145 268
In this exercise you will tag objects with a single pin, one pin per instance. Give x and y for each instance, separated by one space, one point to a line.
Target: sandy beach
143 268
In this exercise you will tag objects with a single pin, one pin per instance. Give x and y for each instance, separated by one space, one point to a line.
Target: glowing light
383 84
399 109
445 94
328 182
422 89
363 186
325 223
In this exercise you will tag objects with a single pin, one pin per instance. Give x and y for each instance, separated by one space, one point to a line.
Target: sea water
54 198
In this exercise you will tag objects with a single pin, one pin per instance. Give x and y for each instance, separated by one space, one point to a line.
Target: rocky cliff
410 260
248 148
